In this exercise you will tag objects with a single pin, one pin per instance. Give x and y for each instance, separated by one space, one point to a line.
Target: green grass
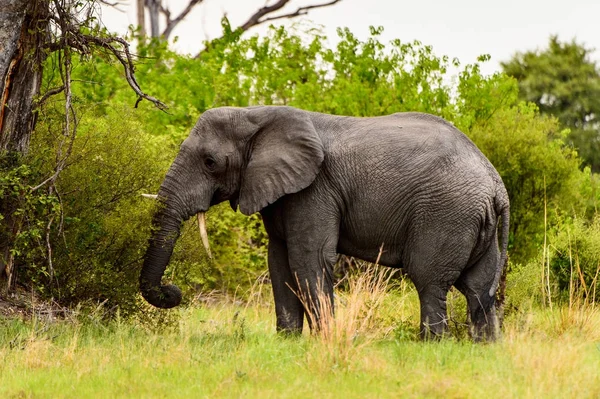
232 350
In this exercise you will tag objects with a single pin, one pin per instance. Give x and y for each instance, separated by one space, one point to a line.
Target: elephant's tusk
203 234
151 196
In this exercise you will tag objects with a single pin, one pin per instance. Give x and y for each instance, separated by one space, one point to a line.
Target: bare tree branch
69 131
73 38
172 23
113 4
128 65
256 18
260 16
53 91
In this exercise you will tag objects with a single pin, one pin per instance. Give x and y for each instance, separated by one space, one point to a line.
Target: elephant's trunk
168 225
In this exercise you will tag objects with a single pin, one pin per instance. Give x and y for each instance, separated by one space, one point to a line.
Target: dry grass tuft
342 336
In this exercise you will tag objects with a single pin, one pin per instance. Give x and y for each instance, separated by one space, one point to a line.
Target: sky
463 29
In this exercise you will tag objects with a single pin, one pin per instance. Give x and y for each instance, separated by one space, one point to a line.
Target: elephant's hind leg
476 284
434 264
434 316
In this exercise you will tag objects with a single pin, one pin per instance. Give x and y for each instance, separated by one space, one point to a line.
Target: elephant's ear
285 156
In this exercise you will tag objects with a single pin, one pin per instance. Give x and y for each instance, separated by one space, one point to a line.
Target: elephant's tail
503 209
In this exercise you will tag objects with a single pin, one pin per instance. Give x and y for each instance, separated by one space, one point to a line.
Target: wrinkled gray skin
331 184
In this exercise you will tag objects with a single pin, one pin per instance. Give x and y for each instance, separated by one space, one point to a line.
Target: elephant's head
249 156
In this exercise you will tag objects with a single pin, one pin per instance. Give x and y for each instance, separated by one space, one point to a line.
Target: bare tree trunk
23 29
141 16
154 11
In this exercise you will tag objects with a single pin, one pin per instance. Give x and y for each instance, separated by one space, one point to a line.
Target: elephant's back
411 143
404 173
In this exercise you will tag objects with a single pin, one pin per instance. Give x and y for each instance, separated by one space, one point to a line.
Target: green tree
564 82
100 234
32 32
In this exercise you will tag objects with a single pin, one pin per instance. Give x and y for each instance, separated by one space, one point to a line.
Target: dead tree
30 30
158 8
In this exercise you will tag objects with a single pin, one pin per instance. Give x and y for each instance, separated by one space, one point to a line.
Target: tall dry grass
345 328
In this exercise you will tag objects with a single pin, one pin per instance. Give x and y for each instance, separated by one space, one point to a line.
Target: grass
371 350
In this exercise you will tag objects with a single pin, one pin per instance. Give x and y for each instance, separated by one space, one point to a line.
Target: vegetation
563 81
372 350
91 249
79 241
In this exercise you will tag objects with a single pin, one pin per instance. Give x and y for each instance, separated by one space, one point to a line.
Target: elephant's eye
210 163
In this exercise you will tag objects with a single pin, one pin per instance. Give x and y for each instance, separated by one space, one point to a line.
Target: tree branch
73 38
256 18
260 16
113 4
128 65
172 23
48 94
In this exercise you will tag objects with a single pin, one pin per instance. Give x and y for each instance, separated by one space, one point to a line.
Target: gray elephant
324 185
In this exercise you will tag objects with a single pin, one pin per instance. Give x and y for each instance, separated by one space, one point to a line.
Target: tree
32 30
23 27
158 9
564 82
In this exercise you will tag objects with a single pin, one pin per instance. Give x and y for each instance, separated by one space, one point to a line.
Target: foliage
575 259
538 170
105 222
26 221
232 350
479 97
563 81
120 153
240 247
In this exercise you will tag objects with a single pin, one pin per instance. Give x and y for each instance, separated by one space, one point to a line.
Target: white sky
457 28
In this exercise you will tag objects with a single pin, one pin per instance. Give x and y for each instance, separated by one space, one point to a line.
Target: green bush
575 259
98 241
24 223
100 235
539 171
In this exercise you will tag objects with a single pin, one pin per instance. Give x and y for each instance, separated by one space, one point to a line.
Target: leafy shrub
24 216
120 153
104 225
524 286
537 168
575 259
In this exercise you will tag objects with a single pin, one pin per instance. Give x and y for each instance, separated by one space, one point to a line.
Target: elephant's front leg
312 257
288 307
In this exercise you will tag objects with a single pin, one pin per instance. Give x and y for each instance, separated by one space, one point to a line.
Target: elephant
410 183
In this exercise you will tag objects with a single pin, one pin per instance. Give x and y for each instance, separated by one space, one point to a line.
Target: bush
98 241
24 223
539 171
575 259
100 235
